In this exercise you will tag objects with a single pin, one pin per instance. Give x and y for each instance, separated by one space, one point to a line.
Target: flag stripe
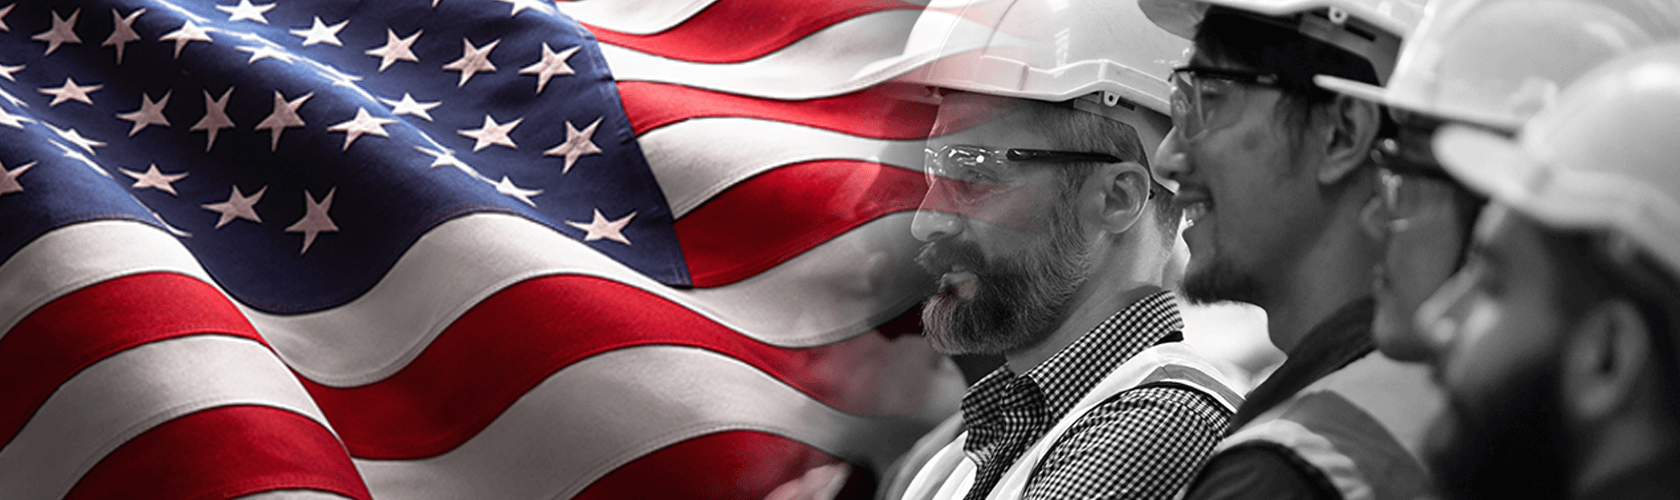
846 57
471 257
222 453
130 392
696 159
606 410
526 332
872 113
644 17
716 34
79 329
757 464
813 202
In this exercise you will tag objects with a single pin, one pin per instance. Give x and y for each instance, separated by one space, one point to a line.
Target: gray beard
1018 301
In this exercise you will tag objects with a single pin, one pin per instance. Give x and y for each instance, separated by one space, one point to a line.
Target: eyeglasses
1197 92
981 171
1411 185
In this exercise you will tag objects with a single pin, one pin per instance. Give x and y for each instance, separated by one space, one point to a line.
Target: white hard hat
1371 29
1495 63
1603 158
1101 54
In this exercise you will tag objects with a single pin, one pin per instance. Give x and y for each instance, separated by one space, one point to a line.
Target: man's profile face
1247 198
1418 214
1006 246
1496 330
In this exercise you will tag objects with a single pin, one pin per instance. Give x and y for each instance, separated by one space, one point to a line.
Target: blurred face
1419 218
1496 329
1246 196
1000 235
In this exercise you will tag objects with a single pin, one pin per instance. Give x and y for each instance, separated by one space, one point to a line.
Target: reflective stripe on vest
950 474
1346 424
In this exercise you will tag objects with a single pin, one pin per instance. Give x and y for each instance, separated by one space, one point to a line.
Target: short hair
1071 129
1251 41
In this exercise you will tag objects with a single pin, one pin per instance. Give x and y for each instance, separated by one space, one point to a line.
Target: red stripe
779 214
77 330
513 340
754 464
873 113
225 452
731 31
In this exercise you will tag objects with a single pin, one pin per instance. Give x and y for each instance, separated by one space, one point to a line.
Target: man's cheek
1021 209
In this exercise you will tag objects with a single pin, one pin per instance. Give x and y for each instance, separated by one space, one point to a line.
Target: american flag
459 249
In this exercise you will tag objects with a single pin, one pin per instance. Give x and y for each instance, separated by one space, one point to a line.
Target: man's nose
935 219
1170 159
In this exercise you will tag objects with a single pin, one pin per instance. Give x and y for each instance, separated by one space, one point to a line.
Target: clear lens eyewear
1197 92
1410 186
978 172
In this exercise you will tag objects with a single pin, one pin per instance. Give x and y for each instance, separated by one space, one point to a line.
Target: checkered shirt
1142 443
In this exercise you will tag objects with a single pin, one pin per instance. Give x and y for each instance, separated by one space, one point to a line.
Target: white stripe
1312 447
603 412
833 292
695 160
844 57
641 17
131 392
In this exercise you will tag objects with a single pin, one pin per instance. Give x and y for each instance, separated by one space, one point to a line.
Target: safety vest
1360 426
949 474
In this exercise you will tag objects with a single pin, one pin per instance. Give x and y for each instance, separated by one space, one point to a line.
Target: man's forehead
988 122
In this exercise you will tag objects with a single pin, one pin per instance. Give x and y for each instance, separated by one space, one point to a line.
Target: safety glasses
1410 185
1199 92
980 171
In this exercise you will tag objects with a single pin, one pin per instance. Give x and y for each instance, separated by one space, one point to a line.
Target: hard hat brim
1361 90
1486 162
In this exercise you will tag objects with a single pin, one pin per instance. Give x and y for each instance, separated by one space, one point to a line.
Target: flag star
14 121
601 228
70 91
237 206
246 12
63 31
578 143
315 219
7 71
473 60
395 49
123 31
188 33
506 187
259 53
8 10
215 116
492 133
363 123
519 5
155 179
321 33
9 178
553 63
408 106
76 138
445 157
78 156
13 99
284 115
150 113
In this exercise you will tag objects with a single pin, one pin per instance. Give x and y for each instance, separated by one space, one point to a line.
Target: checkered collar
1051 388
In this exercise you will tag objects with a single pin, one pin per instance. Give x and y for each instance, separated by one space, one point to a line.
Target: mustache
941 256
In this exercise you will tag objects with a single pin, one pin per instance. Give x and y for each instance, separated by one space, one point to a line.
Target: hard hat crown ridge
1495 63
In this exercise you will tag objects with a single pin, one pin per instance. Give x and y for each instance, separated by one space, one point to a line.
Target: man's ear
1124 194
1350 125
1605 356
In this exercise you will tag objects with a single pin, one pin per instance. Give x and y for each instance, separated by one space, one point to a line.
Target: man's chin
1218 282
